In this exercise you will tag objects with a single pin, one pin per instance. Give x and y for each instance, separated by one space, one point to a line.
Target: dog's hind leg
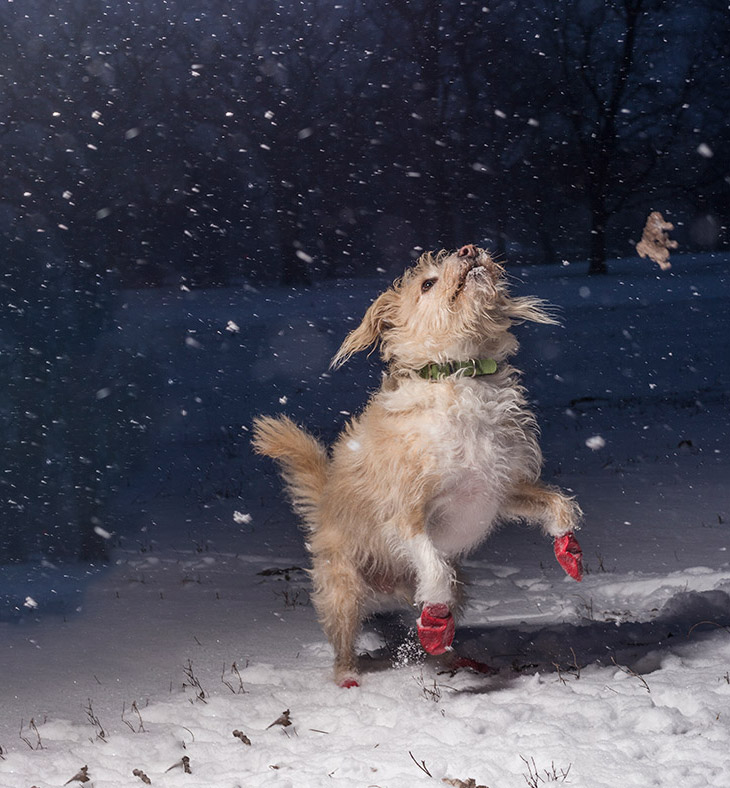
338 597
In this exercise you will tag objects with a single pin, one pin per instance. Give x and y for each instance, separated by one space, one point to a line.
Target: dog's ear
379 318
528 308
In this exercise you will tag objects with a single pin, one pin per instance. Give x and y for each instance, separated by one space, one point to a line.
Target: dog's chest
479 429
482 442
465 426
473 439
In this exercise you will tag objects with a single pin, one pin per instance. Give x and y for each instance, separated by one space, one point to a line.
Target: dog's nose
467 251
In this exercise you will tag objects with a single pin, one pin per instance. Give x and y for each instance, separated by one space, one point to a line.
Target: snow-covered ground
202 626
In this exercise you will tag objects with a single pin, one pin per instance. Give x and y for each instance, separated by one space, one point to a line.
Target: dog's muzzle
472 265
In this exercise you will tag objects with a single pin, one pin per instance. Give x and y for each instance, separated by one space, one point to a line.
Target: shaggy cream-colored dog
443 452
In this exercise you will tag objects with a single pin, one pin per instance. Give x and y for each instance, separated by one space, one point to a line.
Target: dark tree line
155 141
294 139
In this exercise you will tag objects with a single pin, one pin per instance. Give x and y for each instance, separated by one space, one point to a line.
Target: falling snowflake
705 150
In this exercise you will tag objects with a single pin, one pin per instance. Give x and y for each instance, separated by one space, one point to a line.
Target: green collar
471 369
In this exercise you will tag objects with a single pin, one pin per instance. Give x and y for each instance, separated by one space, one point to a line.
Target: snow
202 625
705 150
595 442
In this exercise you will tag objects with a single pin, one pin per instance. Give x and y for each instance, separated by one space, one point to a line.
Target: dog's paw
569 555
436 628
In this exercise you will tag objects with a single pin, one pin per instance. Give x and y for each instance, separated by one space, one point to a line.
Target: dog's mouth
472 269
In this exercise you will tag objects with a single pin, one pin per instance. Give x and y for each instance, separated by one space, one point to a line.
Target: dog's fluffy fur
429 468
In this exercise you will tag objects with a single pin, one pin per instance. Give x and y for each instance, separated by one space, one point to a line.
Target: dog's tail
303 460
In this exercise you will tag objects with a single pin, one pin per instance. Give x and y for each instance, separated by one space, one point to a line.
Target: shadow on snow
563 648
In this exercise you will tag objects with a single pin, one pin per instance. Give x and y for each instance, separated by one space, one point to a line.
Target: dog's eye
427 284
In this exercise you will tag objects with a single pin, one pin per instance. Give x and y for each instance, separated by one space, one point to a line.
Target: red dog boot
569 555
436 628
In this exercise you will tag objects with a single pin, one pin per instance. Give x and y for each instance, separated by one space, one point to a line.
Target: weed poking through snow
631 673
294 597
194 683
421 765
95 722
534 777
236 685
32 727
135 710
572 670
430 692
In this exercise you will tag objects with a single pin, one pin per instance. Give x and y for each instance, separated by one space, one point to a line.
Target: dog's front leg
435 583
434 576
558 514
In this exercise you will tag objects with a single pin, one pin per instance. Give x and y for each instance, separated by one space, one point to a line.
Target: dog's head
448 307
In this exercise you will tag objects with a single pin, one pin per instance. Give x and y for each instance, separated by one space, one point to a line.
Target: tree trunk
92 546
294 270
597 263
547 247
